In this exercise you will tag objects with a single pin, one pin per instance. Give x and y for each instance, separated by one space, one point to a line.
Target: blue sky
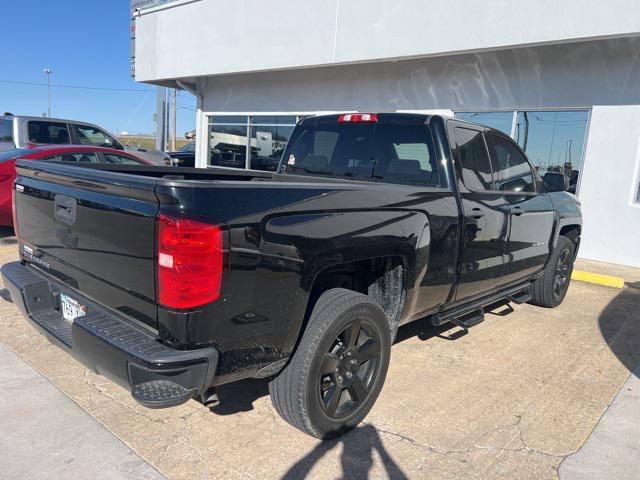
85 43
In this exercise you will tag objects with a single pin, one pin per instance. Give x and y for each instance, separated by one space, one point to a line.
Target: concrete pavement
613 448
512 399
46 435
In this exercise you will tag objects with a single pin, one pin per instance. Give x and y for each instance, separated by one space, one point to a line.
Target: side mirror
556 182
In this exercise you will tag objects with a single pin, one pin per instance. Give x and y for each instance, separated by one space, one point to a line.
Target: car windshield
15 153
6 130
374 151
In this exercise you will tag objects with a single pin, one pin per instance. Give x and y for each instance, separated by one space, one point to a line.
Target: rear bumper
157 376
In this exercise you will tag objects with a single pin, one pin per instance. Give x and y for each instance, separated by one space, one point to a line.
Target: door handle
517 211
477 213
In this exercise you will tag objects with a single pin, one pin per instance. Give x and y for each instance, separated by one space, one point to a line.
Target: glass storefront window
554 141
265 135
225 119
272 119
499 120
267 145
227 146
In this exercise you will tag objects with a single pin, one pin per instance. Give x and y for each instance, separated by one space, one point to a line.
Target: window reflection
264 135
499 120
267 145
227 145
554 141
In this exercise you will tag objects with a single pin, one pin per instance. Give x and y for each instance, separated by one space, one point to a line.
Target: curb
605 280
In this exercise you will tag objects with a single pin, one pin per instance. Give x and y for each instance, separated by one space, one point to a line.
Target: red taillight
358 117
14 211
189 262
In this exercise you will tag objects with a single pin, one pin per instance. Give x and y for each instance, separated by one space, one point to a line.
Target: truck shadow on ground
239 396
358 447
619 325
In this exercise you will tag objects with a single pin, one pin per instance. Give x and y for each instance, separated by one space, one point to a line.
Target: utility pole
48 71
161 118
174 128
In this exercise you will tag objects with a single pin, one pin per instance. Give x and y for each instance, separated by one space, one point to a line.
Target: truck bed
280 233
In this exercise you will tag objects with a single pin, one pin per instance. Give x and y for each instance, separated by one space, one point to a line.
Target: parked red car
81 154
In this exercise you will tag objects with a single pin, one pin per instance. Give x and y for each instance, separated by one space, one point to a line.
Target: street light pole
48 71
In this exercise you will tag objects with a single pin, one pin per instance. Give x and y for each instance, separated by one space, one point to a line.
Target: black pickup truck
172 281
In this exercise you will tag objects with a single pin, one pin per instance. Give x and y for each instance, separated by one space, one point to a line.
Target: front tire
339 367
550 289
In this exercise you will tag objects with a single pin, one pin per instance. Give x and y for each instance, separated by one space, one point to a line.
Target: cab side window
120 159
44 132
512 170
80 157
473 160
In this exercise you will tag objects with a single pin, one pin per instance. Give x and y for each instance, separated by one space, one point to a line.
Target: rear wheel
339 367
550 289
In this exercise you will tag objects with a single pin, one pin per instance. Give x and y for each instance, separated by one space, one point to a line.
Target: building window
227 141
269 135
502 121
248 141
554 141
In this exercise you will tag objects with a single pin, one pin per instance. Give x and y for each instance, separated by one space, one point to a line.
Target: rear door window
44 132
473 159
395 153
513 172
120 159
88 135
79 157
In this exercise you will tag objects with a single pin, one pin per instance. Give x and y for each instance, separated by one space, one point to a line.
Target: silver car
22 132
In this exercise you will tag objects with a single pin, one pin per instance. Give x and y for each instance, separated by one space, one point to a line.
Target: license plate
71 309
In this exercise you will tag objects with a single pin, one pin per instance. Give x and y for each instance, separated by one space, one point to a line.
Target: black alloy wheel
562 272
338 369
551 287
348 368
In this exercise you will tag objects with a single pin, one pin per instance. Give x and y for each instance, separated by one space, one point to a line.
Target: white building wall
214 37
605 72
609 186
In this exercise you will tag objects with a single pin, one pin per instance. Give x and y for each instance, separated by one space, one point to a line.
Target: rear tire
550 289
336 374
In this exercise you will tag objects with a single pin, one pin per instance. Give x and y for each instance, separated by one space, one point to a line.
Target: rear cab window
384 151
44 132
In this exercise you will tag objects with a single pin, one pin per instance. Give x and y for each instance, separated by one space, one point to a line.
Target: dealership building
562 78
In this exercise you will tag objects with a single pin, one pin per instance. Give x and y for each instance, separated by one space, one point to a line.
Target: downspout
201 157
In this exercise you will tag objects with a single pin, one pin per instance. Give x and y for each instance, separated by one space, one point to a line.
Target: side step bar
472 313
467 321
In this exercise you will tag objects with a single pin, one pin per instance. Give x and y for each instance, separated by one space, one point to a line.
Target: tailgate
93 230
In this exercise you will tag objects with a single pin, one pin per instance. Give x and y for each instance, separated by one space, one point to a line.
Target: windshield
6 131
389 152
